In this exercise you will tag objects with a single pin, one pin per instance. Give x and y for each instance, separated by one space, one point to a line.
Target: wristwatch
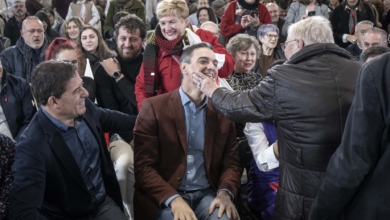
116 75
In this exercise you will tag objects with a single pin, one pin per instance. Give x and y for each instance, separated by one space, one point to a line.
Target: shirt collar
185 100
59 124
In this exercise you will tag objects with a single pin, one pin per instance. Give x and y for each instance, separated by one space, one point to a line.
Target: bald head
273 10
33 32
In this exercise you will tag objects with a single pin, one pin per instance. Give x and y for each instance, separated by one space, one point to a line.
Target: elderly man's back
309 98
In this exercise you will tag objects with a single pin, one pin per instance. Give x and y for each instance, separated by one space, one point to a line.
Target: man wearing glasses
28 52
308 97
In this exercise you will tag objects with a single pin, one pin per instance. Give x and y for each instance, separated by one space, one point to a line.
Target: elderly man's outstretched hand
206 84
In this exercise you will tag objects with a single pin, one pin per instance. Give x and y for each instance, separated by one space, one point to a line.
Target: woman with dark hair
302 9
93 46
205 14
50 33
345 17
54 18
33 6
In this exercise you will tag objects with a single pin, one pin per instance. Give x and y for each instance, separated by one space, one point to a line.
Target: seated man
373 52
28 52
360 29
14 25
62 168
373 37
186 159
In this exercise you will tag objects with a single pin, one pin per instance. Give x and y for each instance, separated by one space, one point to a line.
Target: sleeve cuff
169 200
268 157
345 38
230 193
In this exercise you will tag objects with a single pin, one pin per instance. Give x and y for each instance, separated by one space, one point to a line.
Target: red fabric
354 22
228 27
107 138
169 69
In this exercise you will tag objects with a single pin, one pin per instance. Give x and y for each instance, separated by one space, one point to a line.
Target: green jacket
138 8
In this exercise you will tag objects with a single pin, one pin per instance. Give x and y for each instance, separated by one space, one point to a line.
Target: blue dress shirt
85 150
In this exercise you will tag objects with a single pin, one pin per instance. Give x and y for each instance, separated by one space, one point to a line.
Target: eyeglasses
284 45
270 36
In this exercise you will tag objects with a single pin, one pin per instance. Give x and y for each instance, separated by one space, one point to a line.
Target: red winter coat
169 69
229 28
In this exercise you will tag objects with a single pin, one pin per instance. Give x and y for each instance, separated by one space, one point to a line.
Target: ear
186 21
183 68
52 102
21 33
301 43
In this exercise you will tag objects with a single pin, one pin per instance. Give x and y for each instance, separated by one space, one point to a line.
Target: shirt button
194 116
192 132
189 171
189 157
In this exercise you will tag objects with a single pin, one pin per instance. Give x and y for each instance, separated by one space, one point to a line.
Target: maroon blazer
160 152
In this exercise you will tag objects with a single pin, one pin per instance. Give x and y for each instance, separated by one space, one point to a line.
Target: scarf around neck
156 41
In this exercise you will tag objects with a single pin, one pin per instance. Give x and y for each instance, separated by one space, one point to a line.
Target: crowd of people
165 109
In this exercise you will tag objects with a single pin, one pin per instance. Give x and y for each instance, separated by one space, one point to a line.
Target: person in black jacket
62 168
308 97
14 25
28 52
17 106
356 185
355 49
344 19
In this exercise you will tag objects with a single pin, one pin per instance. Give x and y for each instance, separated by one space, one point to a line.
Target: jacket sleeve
28 188
231 171
127 88
29 109
255 105
359 150
141 13
95 16
228 26
225 59
290 18
140 92
109 23
104 91
5 56
265 17
334 20
146 156
324 11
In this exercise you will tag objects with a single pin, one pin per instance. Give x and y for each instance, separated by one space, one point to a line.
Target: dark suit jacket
161 149
47 180
354 50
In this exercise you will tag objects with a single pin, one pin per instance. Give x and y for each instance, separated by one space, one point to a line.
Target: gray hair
242 42
209 23
265 28
312 30
357 27
373 51
376 30
187 53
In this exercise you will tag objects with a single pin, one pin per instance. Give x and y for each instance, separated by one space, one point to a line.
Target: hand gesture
245 20
351 38
111 65
181 210
225 204
205 84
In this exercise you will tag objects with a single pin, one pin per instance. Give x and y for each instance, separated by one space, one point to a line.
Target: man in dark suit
360 29
62 168
186 162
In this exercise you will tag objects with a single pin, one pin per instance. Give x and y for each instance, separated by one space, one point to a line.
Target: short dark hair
283 4
42 16
50 78
119 15
187 53
373 52
131 23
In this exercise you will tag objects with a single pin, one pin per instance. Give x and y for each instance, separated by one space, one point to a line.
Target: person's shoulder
378 65
17 81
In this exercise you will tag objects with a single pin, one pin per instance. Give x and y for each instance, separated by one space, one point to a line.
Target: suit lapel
61 150
211 121
179 117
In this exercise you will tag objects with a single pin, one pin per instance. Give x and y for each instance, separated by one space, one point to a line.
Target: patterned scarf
173 48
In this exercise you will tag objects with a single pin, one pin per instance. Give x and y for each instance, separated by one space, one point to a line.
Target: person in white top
85 10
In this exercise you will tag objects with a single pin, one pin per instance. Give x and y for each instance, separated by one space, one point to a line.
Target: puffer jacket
16 60
308 97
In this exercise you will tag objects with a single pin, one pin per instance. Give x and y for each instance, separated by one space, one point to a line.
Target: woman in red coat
160 71
244 16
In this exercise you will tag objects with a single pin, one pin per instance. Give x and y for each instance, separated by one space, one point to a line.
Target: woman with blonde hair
71 29
160 71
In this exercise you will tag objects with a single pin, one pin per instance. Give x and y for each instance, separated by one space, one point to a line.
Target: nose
127 43
84 93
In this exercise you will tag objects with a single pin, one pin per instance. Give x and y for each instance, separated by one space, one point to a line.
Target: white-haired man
308 97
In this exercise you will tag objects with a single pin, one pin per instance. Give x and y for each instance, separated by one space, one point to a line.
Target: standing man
28 52
115 80
360 29
62 168
308 97
356 185
13 27
273 10
186 161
